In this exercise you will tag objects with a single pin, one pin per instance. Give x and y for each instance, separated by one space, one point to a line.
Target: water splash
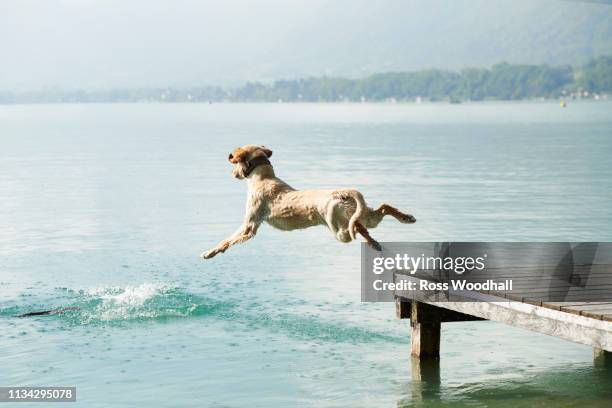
130 295
143 302
118 306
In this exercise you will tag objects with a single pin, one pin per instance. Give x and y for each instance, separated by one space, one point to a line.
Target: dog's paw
375 245
208 254
407 219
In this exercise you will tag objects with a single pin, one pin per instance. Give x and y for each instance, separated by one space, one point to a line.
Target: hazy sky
131 43
144 42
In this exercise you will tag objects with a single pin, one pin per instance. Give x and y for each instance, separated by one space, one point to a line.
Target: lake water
107 208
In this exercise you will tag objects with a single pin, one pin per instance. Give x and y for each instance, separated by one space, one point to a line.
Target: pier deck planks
580 312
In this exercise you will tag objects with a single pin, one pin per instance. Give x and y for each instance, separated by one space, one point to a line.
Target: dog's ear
267 151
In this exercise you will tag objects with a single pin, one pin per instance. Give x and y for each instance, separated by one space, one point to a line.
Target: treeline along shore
501 82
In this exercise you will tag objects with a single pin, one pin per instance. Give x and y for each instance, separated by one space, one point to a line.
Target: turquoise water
107 208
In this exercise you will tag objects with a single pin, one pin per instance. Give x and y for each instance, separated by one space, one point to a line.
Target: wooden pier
584 322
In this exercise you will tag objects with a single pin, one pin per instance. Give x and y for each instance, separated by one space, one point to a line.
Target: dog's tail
360 207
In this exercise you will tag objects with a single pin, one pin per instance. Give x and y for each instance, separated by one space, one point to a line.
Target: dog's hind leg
332 220
364 233
374 217
337 223
397 214
343 236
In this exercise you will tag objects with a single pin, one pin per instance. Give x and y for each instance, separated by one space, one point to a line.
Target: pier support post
425 383
425 320
425 337
602 358
402 309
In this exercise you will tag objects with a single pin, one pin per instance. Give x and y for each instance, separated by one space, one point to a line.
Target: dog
272 200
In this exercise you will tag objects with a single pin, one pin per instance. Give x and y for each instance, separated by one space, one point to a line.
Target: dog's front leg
244 233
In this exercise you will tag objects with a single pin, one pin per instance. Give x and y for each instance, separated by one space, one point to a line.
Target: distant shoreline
603 99
500 82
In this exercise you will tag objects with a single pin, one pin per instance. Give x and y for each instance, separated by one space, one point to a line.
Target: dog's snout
230 157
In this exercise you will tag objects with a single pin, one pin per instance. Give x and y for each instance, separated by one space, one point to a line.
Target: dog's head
243 158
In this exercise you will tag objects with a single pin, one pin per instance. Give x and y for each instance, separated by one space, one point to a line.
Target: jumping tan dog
272 200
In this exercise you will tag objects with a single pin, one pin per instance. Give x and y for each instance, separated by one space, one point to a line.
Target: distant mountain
107 44
357 37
